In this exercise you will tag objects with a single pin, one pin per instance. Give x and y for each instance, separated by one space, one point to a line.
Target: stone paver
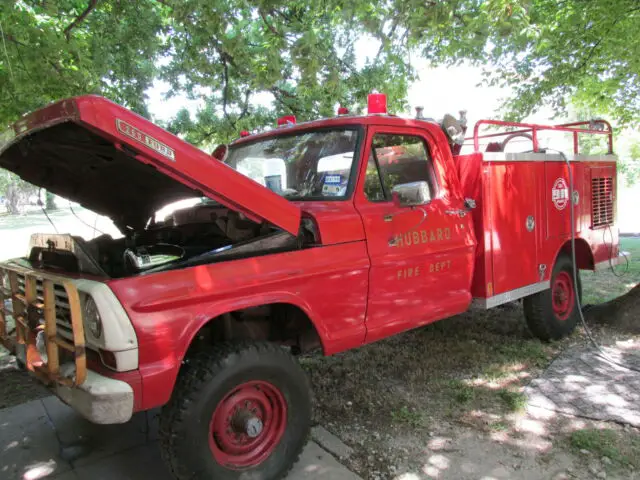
46 439
580 382
333 444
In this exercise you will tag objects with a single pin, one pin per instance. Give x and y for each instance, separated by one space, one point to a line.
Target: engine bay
204 233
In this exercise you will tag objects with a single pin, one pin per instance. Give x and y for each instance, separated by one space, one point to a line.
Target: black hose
593 341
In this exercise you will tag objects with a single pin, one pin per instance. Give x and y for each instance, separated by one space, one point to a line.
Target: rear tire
553 314
241 411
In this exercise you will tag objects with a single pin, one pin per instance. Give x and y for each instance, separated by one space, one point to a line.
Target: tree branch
225 88
80 18
245 109
269 26
279 93
277 90
14 40
387 38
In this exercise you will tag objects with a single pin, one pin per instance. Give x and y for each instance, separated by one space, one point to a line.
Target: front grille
48 334
63 311
601 201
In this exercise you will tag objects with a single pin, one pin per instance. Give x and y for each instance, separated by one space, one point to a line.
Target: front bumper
99 399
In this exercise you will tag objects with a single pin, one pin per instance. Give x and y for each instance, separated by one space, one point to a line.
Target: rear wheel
242 411
553 313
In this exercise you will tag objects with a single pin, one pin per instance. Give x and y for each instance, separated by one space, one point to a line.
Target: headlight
92 318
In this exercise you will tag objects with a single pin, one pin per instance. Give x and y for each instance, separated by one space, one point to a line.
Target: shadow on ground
46 439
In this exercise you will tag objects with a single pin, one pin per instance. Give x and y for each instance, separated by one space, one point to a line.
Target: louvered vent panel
601 201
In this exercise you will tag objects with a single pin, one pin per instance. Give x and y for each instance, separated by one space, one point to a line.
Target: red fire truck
329 234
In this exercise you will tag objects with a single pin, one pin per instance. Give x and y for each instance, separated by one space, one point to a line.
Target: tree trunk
13 198
622 312
50 203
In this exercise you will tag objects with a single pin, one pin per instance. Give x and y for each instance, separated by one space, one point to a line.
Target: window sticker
273 183
334 185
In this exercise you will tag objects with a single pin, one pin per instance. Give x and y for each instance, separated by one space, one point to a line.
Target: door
421 257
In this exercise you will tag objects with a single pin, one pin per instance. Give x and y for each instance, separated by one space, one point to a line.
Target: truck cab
323 235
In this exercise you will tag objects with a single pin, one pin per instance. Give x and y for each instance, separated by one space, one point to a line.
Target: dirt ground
446 401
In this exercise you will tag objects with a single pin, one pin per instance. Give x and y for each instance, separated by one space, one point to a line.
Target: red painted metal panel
556 191
474 182
512 200
338 222
167 309
426 275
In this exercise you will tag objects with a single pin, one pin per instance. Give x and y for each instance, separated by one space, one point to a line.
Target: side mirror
411 194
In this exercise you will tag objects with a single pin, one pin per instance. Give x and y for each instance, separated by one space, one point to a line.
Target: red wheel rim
247 425
562 295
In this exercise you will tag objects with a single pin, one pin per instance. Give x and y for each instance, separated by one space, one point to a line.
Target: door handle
456 212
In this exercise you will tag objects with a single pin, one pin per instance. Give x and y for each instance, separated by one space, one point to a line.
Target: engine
202 233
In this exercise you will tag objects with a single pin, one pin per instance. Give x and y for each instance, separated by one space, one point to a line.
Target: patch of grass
499 426
462 392
515 401
599 287
619 447
531 351
407 416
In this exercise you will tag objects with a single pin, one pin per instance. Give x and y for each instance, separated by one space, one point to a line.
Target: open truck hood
118 164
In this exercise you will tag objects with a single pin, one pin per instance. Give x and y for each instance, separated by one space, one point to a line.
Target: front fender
167 309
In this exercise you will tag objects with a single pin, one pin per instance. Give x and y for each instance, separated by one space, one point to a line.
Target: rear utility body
329 234
522 215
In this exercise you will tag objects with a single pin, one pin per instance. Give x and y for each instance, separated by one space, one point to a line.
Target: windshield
306 166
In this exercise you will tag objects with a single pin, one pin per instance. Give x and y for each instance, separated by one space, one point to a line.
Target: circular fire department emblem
560 193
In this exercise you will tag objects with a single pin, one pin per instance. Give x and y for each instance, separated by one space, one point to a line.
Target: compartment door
513 205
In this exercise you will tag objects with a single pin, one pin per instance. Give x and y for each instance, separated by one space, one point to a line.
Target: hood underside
118 164
77 164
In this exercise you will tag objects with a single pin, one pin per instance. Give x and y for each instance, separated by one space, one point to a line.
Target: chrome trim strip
605 265
544 157
511 295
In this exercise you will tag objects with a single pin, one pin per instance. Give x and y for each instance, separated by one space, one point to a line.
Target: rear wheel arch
585 259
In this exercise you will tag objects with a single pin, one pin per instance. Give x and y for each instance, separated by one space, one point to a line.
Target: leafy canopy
229 53
55 49
585 52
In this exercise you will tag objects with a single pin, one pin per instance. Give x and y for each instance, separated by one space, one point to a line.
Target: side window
399 159
372 184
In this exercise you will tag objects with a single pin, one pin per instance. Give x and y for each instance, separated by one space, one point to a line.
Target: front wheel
553 314
241 411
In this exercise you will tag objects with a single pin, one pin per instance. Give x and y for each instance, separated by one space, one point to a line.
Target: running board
511 295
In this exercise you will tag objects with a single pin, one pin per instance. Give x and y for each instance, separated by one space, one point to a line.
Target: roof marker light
343 111
287 120
377 103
